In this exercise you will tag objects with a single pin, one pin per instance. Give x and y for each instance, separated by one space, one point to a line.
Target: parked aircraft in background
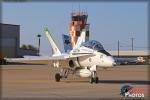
128 61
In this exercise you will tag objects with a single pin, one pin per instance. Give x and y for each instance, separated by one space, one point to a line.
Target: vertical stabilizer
67 42
56 51
81 39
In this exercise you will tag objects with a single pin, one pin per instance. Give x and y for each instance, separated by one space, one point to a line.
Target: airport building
10 42
135 53
144 54
78 22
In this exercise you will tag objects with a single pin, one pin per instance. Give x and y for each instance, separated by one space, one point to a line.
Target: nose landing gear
94 78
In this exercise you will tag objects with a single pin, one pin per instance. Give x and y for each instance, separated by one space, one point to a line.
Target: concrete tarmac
37 81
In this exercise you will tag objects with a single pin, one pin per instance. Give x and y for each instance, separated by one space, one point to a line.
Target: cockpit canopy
95 45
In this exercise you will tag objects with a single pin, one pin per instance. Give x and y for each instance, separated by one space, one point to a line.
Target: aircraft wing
65 57
29 60
43 59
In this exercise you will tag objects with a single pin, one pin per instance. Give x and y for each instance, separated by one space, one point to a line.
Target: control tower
78 22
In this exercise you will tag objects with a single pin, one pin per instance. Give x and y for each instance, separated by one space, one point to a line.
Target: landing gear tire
57 77
96 80
91 80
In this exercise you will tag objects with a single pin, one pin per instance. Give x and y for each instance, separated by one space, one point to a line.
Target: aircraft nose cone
112 61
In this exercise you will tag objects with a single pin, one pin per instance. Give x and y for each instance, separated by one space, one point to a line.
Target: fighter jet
83 60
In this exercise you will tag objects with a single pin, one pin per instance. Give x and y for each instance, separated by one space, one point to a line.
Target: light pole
39 44
132 42
118 48
132 39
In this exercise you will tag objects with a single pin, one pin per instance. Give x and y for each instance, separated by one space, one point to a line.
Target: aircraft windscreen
92 44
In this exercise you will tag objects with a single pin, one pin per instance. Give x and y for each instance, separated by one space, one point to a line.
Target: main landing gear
94 78
57 77
64 74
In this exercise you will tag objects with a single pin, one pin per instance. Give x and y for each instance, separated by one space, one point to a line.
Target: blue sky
109 22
